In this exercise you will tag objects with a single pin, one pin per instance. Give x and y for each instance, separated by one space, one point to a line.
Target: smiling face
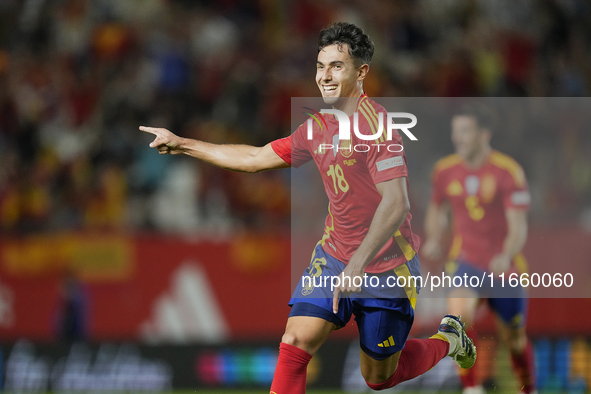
336 74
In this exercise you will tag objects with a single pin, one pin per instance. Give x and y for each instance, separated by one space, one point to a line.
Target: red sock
417 357
468 376
290 374
524 368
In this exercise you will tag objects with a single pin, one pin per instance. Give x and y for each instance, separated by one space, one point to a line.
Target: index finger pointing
151 130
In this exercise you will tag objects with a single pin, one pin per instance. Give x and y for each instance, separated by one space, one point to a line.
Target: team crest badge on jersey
345 148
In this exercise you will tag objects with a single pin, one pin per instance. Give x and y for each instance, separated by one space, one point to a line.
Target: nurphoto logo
345 130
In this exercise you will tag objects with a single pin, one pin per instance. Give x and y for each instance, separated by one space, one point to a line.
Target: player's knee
299 341
289 338
375 377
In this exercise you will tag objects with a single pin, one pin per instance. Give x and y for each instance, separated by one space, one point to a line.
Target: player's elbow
253 163
401 212
403 207
406 207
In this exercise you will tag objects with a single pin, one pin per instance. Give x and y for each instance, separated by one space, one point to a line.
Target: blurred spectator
72 311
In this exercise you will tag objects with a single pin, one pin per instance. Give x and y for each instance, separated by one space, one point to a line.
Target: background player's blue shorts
510 303
384 311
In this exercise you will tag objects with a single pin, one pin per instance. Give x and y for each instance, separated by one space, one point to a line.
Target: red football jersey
478 200
350 169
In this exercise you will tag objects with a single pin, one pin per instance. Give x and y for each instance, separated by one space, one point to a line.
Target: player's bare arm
514 241
240 158
388 217
436 225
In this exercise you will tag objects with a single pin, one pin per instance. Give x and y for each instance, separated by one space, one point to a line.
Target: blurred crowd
77 78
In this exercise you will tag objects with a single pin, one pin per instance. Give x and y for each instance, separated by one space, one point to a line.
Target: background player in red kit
489 199
367 230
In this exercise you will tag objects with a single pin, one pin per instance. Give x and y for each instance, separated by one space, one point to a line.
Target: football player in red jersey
488 196
367 231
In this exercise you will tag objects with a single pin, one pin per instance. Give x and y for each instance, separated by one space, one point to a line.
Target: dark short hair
360 45
484 116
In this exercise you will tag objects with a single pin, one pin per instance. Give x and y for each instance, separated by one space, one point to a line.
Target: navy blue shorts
509 303
384 309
